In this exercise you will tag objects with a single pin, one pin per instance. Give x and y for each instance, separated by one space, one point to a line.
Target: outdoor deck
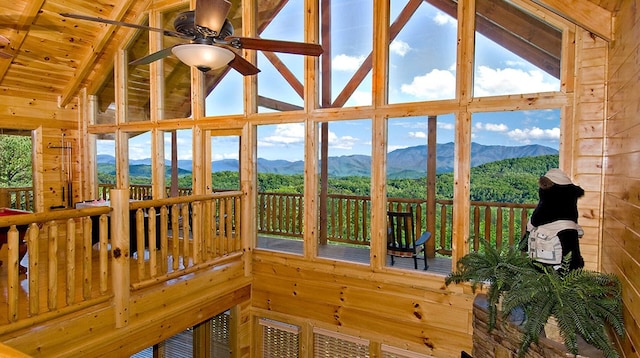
355 254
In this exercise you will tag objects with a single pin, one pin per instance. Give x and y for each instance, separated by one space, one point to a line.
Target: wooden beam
93 52
583 13
17 37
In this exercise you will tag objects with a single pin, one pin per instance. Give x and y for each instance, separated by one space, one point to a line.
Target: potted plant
582 302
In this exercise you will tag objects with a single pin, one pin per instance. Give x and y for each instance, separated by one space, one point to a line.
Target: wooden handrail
194 232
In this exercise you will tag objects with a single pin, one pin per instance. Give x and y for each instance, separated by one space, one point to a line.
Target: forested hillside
509 180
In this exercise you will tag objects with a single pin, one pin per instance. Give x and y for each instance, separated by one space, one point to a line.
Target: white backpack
544 243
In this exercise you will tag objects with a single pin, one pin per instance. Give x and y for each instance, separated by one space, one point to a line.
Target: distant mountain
408 162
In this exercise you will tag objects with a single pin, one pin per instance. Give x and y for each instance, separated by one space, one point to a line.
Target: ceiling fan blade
299 48
212 13
127 24
4 40
152 57
243 66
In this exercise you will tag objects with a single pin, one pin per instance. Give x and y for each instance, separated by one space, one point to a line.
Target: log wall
621 190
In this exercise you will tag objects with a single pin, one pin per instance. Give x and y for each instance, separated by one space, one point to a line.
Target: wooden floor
355 254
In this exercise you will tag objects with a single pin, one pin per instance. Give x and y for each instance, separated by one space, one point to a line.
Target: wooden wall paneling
427 320
622 178
587 138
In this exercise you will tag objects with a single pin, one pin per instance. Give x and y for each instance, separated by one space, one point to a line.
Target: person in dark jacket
553 230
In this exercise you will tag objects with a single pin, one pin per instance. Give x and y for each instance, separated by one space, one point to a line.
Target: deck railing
17 198
71 251
348 219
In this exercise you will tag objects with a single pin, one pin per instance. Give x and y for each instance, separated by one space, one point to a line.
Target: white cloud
344 142
492 127
444 19
285 134
448 126
419 135
347 63
399 47
437 84
528 134
489 81
360 98
221 156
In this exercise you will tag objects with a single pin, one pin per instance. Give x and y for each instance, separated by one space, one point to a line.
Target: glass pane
345 76
177 76
422 57
345 202
412 143
178 156
515 52
106 162
510 151
280 209
280 82
138 85
140 163
225 163
106 98
224 87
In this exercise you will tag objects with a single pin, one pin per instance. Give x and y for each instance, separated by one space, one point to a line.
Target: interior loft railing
70 258
348 217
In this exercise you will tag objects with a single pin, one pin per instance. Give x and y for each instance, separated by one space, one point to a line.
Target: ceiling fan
211 39
4 43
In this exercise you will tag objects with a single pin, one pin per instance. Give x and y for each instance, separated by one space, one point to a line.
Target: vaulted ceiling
51 57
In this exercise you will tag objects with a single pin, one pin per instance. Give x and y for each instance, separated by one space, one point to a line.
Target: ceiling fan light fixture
203 57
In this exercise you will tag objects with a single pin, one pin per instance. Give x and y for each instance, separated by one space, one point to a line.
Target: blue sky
422 67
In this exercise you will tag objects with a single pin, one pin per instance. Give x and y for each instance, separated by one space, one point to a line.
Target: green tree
15 156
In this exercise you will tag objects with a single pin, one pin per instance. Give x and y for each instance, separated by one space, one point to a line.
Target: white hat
558 176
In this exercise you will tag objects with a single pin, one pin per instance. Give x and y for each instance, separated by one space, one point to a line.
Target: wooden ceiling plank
93 52
17 37
583 13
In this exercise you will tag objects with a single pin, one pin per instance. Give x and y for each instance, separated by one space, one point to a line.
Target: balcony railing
348 216
70 266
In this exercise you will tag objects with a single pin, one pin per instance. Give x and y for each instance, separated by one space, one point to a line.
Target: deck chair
401 238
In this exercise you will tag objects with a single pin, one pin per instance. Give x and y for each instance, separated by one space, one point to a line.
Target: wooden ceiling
51 57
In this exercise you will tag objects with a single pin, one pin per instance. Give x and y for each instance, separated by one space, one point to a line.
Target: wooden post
5 199
120 251
431 183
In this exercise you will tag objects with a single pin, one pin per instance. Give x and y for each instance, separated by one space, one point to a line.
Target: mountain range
410 162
